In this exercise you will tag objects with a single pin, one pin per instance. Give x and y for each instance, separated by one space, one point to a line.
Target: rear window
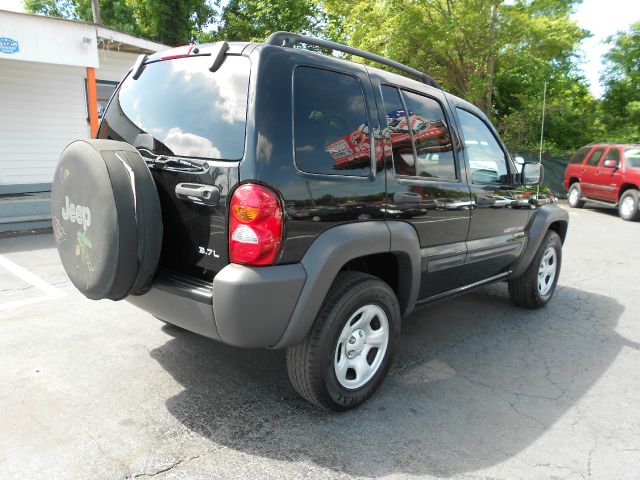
188 110
580 155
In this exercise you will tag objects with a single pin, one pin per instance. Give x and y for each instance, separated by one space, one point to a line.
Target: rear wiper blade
164 161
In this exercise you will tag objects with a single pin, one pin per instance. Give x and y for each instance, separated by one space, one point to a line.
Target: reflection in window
398 132
432 152
188 110
487 160
331 132
632 157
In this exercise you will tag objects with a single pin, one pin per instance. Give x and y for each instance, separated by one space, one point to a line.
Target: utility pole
95 10
491 60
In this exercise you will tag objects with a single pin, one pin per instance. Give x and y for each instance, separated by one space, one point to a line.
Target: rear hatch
189 123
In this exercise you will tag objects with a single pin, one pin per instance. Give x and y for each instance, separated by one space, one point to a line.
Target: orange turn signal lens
245 213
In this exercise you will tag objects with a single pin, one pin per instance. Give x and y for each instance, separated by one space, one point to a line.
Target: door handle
198 193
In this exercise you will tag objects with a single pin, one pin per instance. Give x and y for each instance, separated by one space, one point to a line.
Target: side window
580 155
613 154
595 157
487 161
434 150
422 121
398 132
331 133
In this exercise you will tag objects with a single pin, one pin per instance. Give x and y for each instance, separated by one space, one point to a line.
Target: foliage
254 20
172 22
621 102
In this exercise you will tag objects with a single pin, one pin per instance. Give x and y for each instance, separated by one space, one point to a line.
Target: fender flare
337 246
539 224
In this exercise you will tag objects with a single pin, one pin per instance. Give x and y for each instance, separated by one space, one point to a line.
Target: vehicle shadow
476 380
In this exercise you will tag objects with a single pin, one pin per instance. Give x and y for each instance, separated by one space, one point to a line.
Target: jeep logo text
76 213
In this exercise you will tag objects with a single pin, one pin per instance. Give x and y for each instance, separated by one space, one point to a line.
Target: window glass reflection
188 110
331 131
434 150
487 161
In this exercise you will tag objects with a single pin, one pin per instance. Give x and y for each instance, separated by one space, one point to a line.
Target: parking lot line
50 292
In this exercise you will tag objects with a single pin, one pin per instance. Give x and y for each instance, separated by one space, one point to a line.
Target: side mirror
610 164
532 173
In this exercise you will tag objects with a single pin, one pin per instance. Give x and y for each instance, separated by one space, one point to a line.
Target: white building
56 77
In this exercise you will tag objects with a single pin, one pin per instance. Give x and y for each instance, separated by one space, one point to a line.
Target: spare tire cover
106 218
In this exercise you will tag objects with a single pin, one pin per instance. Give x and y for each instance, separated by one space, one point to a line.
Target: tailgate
178 114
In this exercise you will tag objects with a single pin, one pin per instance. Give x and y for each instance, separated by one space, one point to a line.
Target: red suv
607 174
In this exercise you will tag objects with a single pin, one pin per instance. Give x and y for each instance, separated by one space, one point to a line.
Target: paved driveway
480 388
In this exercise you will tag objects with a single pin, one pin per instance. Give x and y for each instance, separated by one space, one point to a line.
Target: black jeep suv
268 196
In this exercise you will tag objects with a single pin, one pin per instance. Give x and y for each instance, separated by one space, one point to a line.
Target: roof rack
288 39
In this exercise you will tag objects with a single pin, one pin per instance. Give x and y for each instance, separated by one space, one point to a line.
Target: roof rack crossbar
288 39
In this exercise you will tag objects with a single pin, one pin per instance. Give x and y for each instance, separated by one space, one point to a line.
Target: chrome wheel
627 207
574 196
361 347
547 271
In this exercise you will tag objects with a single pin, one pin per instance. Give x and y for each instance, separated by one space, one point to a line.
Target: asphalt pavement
480 388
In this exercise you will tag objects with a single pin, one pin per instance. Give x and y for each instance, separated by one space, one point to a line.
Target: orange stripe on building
92 100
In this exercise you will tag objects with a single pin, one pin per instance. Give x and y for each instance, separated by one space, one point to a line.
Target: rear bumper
244 306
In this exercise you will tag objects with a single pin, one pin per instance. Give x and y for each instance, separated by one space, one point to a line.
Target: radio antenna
544 103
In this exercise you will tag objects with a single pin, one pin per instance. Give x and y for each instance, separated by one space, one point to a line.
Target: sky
602 17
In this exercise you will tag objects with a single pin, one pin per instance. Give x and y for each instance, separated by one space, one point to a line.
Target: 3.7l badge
207 251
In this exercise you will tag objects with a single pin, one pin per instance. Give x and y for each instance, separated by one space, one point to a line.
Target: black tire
311 364
632 214
106 218
575 199
524 290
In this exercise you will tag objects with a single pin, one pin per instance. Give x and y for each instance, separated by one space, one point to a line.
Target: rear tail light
255 225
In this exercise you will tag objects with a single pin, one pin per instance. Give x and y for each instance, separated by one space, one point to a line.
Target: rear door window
420 138
595 157
330 124
188 110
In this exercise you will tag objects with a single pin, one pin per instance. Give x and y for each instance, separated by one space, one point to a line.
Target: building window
104 90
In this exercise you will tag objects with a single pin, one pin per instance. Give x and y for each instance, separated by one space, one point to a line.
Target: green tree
621 102
172 22
254 20
494 54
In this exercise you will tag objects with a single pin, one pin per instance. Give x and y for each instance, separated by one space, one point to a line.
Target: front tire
574 196
628 206
349 350
535 287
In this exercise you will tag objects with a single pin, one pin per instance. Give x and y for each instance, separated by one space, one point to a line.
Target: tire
574 196
314 364
106 217
530 290
628 206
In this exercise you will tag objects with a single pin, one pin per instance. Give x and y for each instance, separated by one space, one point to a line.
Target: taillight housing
255 225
